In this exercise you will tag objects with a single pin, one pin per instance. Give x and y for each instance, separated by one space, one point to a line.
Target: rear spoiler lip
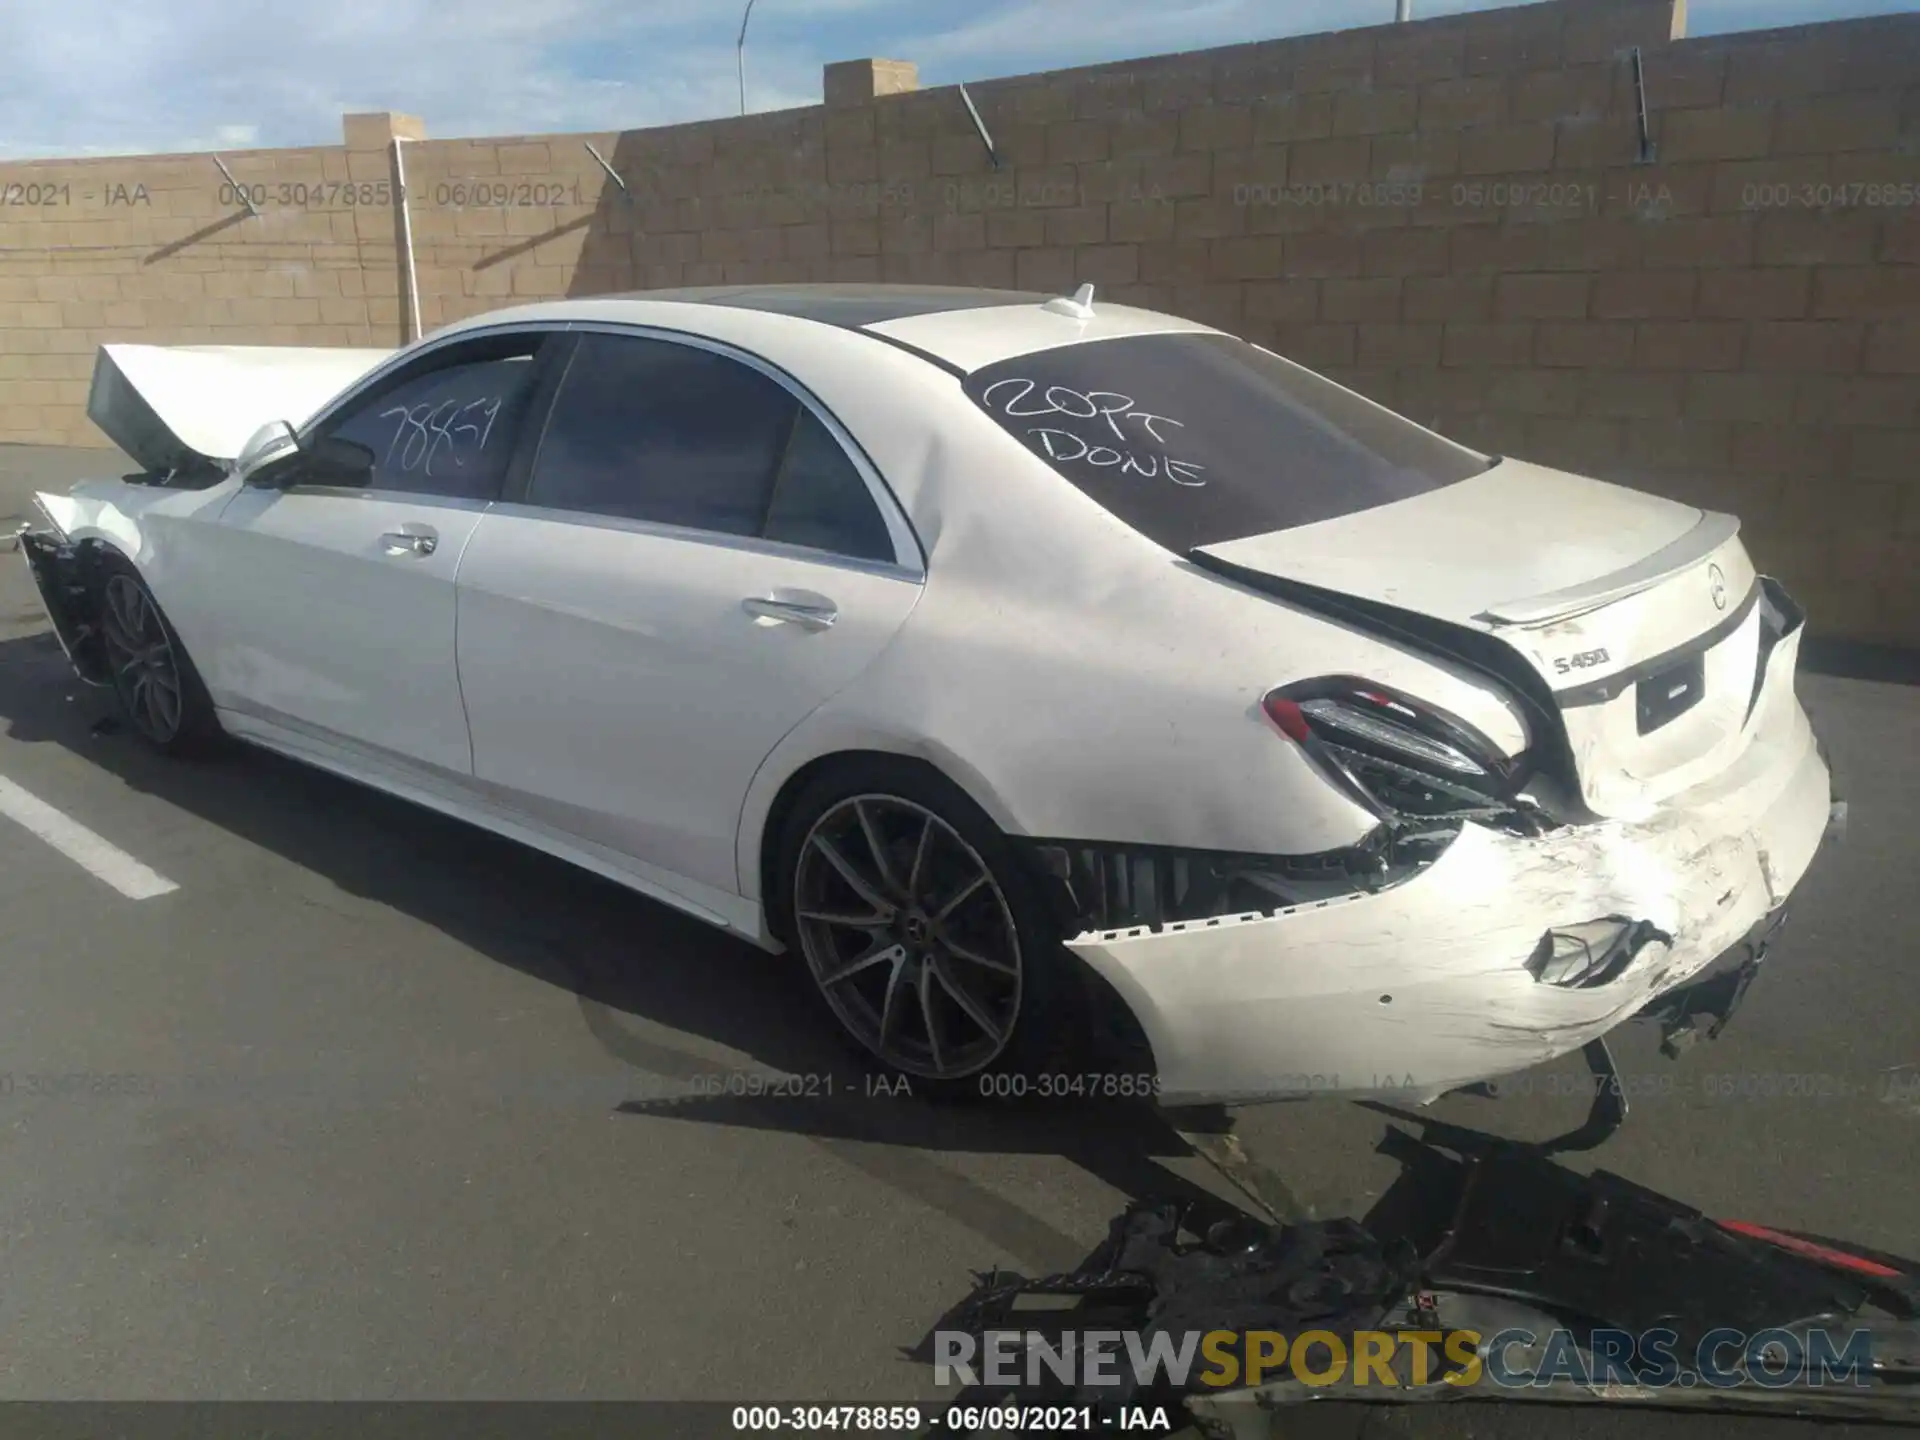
1599 692
1713 530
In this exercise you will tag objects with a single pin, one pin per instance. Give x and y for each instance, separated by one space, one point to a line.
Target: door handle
410 540
793 612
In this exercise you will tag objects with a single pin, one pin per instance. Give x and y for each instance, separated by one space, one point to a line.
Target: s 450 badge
1585 660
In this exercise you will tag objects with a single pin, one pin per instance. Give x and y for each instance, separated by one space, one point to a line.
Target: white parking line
80 845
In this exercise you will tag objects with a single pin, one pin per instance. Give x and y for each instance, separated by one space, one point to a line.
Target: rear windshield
1196 439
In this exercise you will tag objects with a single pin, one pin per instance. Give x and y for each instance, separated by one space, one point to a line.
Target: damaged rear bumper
1433 984
1703 1007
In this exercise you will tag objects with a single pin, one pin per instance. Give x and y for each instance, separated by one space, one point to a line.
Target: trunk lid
1637 617
177 407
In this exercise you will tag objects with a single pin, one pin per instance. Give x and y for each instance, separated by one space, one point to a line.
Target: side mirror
333 461
275 458
272 441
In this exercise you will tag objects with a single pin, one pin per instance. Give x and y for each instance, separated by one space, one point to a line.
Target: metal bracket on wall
1649 152
980 126
237 187
612 174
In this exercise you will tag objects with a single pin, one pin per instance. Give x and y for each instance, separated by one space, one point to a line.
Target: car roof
960 328
850 306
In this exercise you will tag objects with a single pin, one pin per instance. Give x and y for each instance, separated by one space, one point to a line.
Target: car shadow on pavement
655 988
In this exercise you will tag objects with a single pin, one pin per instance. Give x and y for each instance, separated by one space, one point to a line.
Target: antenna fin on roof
1078 306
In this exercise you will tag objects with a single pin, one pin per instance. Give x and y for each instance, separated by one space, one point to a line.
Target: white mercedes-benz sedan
997 654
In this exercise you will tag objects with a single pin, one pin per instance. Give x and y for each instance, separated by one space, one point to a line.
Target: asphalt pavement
368 1104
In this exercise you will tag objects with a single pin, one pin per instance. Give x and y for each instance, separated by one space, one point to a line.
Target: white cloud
96 76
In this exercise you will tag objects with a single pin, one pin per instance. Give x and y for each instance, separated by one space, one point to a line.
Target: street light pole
740 53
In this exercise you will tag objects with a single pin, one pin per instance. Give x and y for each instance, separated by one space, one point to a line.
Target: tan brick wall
1449 216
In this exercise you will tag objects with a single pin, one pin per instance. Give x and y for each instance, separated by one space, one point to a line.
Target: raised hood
1640 620
173 407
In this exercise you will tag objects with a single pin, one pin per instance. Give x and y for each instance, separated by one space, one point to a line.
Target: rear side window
650 430
671 434
1197 439
821 501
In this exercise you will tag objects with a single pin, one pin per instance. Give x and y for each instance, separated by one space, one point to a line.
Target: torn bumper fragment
1704 1006
1580 957
64 579
1507 951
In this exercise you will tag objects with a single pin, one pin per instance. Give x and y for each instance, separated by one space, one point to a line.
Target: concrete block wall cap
376 129
859 82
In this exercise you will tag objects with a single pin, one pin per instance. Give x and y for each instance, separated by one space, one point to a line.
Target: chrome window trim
720 539
909 555
406 355
422 499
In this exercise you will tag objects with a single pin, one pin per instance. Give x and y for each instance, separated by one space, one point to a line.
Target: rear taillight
1287 715
1380 725
1398 756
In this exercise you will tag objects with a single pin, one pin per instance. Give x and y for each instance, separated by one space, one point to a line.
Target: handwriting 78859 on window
442 430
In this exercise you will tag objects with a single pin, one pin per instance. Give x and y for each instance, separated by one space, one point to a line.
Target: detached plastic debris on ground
1477 1235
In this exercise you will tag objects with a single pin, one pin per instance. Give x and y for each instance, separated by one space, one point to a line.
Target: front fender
108 511
97 517
63 558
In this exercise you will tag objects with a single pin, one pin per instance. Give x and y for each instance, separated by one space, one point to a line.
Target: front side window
672 434
448 430
1197 439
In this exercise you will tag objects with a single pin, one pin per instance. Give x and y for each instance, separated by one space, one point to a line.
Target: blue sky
137 76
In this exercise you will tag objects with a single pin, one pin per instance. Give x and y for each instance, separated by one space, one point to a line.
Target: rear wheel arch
834 764
1048 1026
1074 1012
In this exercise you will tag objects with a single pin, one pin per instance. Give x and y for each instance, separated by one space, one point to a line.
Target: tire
159 691
935 924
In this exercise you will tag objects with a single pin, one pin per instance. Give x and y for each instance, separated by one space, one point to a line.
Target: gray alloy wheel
146 671
909 935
